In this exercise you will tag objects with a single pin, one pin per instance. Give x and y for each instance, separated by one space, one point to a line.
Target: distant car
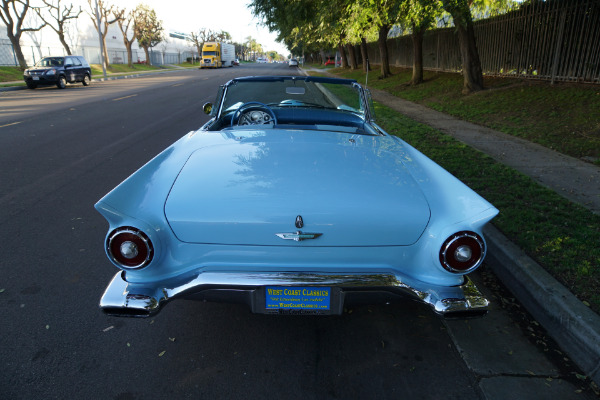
330 61
292 200
293 62
236 61
58 71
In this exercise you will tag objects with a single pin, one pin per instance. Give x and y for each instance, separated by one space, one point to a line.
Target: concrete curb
11 88
567 320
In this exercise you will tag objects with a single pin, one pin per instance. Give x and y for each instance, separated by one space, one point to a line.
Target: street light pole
100 40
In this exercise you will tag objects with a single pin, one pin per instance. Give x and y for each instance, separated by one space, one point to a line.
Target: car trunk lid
276 193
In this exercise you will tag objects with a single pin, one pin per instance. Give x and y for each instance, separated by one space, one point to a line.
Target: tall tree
107 18
223 36
375 17
252 45
471 64
419 15
198 39
296 22
364 52
13 13
195 40
60 16
352 56
125 22
148 29
241 50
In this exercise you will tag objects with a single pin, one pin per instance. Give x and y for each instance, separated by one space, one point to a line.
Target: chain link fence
92 54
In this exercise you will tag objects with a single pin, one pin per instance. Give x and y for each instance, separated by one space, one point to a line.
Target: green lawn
8 74
121 68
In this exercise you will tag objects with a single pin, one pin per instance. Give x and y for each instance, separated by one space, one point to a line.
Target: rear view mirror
207 107
295 90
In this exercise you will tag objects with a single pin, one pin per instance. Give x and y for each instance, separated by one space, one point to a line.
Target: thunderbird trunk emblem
298 236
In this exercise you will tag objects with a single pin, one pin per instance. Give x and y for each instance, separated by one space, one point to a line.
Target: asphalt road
62 150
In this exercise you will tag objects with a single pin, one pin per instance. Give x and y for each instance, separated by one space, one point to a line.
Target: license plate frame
300 299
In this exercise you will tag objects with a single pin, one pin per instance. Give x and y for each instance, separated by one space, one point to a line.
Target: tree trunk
383 51
343 55
148 61
417 39
17 49
130 55
61 37
471 65
105 51
352 56
323 57
365 55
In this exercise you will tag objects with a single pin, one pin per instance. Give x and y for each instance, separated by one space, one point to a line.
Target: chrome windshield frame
364 104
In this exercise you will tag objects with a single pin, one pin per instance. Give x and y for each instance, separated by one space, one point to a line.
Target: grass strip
9 74
121 68
562 236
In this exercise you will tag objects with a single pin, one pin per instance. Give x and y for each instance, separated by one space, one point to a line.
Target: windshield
292 92
50 62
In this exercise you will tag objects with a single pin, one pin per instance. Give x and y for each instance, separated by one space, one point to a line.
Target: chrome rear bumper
122 298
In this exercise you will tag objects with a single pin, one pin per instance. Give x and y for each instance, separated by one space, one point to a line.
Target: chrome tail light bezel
454 244
144 247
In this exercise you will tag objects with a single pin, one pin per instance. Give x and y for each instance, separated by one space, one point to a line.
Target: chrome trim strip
142 300
298 236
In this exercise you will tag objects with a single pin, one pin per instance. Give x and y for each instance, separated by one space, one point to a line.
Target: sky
187 16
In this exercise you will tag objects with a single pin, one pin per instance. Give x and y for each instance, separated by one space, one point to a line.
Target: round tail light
462 252
129 248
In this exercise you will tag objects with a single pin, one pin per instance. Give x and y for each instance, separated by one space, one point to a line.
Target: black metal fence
556 40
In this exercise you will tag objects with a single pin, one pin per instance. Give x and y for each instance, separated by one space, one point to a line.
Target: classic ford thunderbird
292 200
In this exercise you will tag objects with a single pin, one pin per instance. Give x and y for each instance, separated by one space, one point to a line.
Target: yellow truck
217 55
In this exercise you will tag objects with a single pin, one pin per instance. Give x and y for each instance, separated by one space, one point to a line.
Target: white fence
91 54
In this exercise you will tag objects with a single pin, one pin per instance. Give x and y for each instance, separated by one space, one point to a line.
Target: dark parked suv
58 71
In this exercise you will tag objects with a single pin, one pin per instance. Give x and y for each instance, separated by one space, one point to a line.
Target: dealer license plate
297 298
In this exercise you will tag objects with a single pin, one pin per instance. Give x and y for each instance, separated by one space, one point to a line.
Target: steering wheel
254 113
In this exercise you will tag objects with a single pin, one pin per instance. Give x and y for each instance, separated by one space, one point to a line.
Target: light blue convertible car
292 200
